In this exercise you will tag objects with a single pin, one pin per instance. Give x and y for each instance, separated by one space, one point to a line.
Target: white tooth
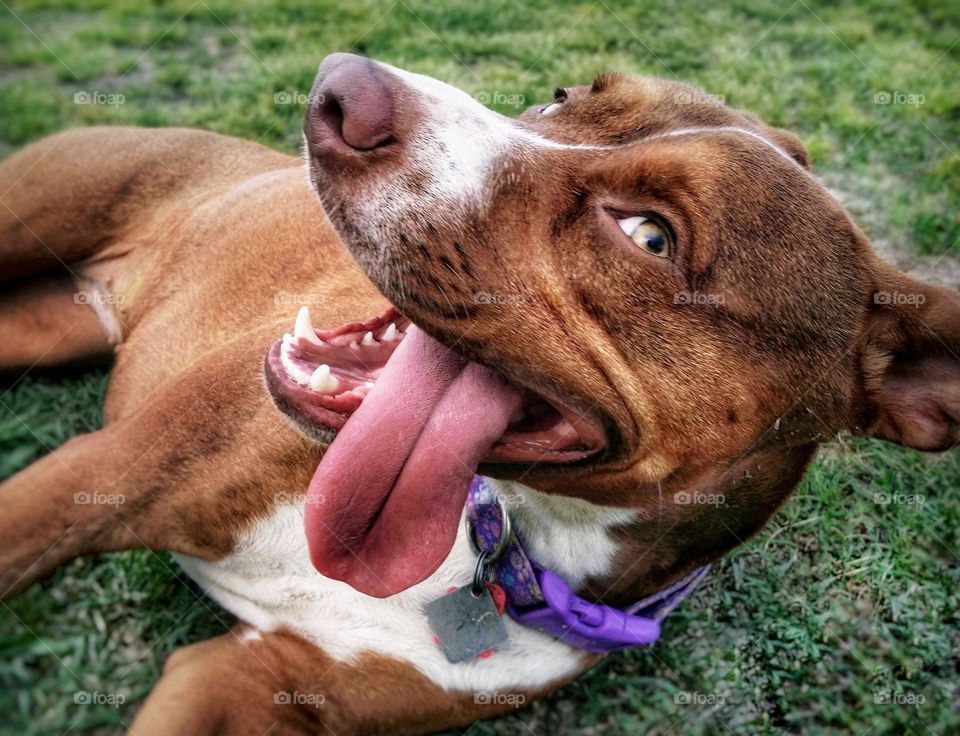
304 328
390 333
287 338
354 346
368 339
323 381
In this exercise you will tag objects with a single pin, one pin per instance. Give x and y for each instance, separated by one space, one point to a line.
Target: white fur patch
459 138
268 582
454 108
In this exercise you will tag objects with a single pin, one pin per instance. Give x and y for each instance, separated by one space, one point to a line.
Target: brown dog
629 299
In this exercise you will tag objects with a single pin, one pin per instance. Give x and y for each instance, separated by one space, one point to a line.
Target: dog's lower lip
321 397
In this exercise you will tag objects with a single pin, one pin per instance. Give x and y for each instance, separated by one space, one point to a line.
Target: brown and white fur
192 245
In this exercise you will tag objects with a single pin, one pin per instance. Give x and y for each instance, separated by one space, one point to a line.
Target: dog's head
679 302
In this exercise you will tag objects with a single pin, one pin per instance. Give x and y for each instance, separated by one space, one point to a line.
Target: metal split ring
479 575
506 532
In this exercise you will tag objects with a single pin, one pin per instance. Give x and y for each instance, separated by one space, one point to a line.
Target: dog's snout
352 103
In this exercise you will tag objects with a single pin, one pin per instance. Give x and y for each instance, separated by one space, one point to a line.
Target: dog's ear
910 361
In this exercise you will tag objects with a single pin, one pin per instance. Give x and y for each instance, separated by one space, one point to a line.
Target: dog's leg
250 682
66 197
69 502
84 195
43 324
63 198
59 199
99 492
224 685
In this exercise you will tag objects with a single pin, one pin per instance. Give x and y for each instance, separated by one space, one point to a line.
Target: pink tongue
385 502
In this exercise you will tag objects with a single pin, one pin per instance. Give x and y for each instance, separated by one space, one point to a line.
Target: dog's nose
352 103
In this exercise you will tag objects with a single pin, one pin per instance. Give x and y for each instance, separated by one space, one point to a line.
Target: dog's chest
268 582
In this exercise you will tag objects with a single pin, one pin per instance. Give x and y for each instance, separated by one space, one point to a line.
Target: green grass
841 600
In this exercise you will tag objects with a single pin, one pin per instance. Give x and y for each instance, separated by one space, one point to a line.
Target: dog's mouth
413 421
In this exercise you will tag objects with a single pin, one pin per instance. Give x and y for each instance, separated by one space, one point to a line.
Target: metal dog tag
466 624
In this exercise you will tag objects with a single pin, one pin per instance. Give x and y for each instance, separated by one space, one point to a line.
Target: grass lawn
842 617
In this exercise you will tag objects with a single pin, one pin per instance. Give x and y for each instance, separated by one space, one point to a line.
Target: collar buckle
593 627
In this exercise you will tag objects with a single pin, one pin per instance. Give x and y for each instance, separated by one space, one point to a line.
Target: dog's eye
647 234
551 108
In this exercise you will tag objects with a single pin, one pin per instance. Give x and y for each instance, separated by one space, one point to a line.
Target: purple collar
539 598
